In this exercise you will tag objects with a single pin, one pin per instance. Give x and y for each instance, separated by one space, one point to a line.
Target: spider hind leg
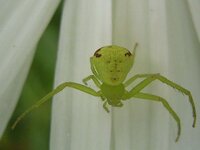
151 97
152 77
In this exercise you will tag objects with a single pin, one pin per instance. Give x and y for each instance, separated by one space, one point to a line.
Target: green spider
110 66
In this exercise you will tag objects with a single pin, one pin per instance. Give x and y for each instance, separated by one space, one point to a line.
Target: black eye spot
118 71
108 61
96 53
120 61
128 54
111 71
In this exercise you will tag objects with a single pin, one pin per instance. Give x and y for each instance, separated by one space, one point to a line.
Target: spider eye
128 54
96 54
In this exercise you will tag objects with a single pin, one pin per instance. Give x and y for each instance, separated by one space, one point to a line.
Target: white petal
168 45
21 25
168 38
184 68
78 119
132 23
194 10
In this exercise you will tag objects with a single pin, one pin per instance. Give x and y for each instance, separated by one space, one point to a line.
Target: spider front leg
93 78
59 88
151 97
152 77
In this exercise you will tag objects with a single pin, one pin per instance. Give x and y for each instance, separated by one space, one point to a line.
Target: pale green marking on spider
110 66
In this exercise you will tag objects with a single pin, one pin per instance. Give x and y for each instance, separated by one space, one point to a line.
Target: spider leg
151 97
152 77
120 104
105 106
132 79
103 98
59 88
93 78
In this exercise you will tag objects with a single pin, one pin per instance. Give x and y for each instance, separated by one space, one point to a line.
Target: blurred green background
33 132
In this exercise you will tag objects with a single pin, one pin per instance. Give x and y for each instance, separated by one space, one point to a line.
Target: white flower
168 35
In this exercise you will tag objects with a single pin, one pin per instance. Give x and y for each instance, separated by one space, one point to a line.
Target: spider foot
120 104
105 107
103 98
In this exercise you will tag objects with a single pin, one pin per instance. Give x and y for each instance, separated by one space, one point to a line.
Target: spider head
112 64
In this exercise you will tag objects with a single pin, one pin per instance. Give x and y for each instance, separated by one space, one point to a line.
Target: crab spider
110 66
